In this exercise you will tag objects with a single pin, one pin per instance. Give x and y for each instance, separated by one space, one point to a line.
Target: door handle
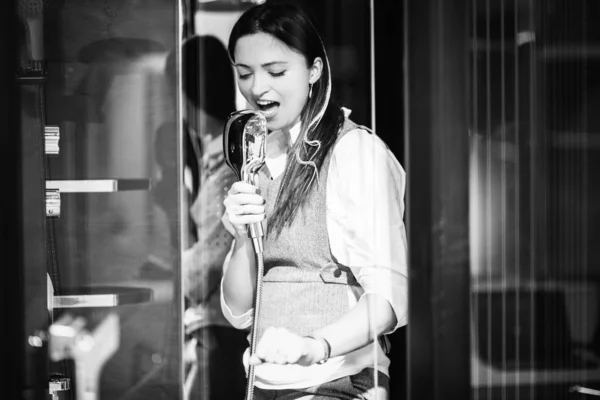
54 188
51 139
56 384
98 185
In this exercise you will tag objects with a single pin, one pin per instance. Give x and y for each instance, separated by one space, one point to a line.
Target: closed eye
277 74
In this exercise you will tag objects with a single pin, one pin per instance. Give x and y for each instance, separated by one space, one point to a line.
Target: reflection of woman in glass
214 348
335 248
210 86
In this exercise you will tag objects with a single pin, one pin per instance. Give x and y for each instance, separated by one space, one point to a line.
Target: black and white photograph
300 199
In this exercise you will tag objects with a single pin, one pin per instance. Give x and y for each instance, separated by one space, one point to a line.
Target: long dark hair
321 118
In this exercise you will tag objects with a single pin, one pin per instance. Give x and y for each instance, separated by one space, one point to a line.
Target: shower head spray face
245 143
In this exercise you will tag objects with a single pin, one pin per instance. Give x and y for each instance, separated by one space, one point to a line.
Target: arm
349 333
366 180
369 318
239 280
203 263
202 268
238 321
243 205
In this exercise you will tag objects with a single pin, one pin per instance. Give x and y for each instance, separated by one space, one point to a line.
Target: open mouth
268 108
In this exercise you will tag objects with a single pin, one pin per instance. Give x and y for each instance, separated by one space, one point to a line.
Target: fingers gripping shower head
245 148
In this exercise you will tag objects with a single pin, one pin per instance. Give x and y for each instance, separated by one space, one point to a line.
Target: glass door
100 181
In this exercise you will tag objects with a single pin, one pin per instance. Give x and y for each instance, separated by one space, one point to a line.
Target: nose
259 85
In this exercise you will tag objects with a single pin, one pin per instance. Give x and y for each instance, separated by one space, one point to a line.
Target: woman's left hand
280 346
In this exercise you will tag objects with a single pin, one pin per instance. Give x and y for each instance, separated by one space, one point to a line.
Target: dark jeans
356 387
221 372
220 376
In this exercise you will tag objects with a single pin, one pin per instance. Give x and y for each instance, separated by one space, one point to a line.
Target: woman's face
273 78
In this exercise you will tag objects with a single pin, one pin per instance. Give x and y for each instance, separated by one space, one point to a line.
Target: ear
315 70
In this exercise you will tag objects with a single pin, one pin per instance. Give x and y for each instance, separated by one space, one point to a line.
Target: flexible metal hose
254 336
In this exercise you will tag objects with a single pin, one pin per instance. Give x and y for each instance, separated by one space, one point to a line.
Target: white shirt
365 209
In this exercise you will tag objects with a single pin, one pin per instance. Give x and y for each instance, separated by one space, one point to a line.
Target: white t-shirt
365 209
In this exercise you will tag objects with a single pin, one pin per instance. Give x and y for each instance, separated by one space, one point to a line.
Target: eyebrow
263 65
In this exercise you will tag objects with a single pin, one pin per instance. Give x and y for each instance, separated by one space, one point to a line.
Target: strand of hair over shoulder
314 122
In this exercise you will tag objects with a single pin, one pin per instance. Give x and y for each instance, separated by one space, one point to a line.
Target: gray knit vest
304 288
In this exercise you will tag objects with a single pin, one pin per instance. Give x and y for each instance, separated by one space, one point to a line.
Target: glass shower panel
346 29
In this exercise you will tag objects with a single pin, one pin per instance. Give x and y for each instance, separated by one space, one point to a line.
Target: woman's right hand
244 205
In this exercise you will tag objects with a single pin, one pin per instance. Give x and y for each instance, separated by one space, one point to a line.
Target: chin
274 126
280 121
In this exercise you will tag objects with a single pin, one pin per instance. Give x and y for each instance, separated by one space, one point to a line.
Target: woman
335 245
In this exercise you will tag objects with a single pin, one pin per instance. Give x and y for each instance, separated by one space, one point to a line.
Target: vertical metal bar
436 110
34 244
11 285
374 127
372 61
23 287
178 299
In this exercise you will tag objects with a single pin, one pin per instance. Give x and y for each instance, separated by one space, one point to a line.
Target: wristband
326 347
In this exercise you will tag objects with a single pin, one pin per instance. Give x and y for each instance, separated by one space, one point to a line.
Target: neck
292 133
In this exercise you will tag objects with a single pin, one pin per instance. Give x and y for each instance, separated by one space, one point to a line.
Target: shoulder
358 140
359 151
